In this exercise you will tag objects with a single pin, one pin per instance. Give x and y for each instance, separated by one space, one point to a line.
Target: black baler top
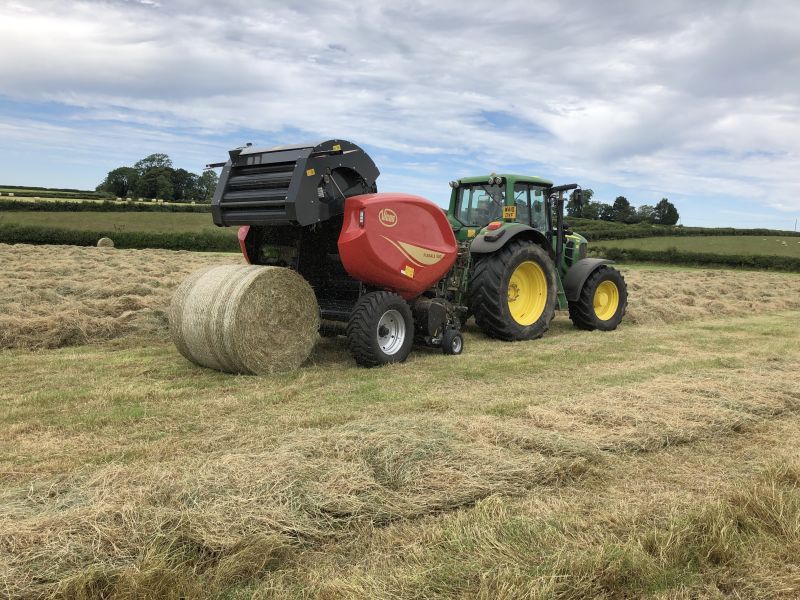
298 185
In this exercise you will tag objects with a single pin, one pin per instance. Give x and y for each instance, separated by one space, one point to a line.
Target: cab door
529 200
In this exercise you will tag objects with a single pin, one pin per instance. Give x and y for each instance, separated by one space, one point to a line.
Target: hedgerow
675 256
206 241
607 230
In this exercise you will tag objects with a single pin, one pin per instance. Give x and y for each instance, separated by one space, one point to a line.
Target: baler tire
363 329
452 342
489 291
584 313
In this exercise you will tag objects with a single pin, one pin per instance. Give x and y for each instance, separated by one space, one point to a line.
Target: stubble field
656 461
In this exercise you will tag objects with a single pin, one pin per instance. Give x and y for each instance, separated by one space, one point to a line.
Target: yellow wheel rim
527 293
606 300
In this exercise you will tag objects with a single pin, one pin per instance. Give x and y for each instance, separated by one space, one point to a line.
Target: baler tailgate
300 185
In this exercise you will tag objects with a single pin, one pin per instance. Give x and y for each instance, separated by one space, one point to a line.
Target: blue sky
694 103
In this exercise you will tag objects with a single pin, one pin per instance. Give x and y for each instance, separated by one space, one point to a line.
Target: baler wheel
380 330
452 342
513 292
602 303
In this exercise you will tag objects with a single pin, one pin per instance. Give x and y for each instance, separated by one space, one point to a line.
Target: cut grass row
656 461
172 481
52 296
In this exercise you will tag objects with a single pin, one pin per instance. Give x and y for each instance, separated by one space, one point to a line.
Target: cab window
522 200
538 212
480 203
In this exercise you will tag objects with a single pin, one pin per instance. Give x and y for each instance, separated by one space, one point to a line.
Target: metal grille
257 191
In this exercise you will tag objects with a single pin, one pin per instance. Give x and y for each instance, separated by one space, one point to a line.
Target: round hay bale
105 242
245 319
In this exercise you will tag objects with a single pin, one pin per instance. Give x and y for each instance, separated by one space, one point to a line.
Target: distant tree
184 184
577 202
605 211
645 214
164 189
574 208
154 161
665 213
155 183
119 182
623 211
591 210
206 184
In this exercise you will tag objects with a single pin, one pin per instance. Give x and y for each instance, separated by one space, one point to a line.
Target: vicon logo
387 217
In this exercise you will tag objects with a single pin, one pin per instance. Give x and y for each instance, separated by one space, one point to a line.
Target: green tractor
523 262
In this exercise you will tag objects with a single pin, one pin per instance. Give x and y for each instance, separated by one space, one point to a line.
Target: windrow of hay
245 319
123 474
53 296
197 513
644 417
672 296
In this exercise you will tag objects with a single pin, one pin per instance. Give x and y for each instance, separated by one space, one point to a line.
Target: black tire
452 342
583 312
489 291
364 333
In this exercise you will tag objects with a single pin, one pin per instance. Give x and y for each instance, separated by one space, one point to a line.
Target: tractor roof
523 178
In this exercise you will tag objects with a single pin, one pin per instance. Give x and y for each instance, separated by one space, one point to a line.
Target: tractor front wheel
513 292
602 303
380 330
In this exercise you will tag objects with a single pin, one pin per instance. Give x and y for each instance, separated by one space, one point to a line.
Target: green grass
147 222
739 245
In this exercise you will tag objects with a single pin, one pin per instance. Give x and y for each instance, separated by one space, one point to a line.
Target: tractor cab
486 211
477 201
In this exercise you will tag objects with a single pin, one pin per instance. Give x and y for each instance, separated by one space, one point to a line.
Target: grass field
657 461
115 221
773 245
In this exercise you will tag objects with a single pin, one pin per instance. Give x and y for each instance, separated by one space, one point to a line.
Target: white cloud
675 97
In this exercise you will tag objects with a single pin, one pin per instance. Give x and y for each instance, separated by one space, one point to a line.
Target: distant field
69 197
167 222
62 197
752 245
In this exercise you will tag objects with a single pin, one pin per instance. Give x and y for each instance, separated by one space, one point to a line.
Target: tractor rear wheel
513 292
602 303
380 330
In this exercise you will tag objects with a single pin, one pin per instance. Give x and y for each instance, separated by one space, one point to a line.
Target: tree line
155 177
621 211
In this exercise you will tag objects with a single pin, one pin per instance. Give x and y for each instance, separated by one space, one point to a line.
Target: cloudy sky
695 101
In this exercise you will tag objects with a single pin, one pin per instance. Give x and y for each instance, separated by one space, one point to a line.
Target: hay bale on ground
105 242
245 319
